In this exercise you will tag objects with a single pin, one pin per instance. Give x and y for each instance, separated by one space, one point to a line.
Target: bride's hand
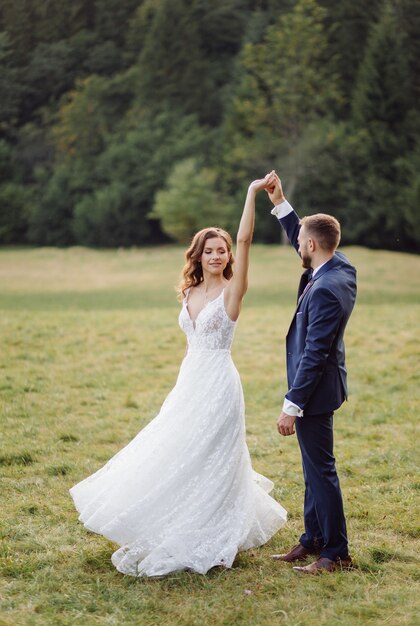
266 183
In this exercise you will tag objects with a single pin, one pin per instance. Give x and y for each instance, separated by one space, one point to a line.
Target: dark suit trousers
325 525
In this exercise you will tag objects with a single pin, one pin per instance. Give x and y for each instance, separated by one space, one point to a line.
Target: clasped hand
272 185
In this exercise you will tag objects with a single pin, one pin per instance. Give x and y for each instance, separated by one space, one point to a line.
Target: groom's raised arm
285 213
289 219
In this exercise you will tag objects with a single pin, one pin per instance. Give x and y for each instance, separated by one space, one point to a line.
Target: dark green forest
134 122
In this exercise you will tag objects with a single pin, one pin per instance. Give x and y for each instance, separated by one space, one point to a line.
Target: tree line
138 122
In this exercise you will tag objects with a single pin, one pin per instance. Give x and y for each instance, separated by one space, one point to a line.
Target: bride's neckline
202 309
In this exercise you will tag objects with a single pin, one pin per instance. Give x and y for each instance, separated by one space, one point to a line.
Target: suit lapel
304 280
304 292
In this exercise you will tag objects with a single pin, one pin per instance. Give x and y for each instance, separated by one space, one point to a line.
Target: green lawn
90 346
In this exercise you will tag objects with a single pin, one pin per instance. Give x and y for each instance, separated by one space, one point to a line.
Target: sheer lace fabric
183 494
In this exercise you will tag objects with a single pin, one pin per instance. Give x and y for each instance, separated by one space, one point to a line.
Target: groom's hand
286 424
275 190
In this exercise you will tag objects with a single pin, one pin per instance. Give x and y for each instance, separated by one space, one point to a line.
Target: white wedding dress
182 494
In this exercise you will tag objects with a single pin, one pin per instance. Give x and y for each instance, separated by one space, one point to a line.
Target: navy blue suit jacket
316 370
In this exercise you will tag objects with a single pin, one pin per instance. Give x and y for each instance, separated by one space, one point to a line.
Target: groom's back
332 387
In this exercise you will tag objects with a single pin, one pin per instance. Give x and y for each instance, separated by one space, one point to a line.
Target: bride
182 494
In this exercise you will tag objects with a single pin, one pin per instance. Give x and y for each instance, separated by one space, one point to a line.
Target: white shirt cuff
282 209
292 409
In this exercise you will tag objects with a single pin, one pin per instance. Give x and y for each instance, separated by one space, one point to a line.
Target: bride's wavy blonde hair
192 272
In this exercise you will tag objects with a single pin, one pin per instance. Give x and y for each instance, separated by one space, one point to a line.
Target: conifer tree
381 110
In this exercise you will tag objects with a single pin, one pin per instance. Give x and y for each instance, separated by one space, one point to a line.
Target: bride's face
215 256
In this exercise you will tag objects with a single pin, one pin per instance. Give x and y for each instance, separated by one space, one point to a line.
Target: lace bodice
212 330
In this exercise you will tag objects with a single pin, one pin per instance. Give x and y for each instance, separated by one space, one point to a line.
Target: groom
317 380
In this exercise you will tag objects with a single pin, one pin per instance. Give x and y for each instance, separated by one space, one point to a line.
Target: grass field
90 347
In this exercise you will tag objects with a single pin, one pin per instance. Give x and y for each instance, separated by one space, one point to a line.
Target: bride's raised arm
238 284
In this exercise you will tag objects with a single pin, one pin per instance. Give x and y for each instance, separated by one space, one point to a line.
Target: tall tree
10 87
188 66
381 107
348 25
408 17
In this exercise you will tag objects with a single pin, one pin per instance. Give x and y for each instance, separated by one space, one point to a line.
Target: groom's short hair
325 229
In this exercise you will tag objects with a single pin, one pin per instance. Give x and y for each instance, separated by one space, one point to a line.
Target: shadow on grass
68 438
58 470
19 458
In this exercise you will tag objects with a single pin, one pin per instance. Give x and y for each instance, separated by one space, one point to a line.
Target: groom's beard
306 260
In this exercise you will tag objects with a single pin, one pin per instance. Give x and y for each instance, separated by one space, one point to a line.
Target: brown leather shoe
297 553
326 565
